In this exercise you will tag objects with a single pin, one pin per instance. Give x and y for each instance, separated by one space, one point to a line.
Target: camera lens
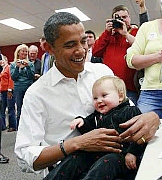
117 24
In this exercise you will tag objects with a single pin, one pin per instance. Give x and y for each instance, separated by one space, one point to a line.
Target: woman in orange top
8 100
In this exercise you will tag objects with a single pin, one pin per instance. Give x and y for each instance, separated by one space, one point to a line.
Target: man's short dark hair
119 8
53 24
91 32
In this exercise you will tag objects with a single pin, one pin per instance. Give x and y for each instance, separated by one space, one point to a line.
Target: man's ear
48 48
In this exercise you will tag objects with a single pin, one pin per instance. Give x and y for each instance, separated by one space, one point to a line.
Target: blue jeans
10 103
150 100
133 96
19 95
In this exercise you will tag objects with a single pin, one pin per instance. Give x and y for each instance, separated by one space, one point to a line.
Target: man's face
125 16
90 39
70 50
42 42
33 54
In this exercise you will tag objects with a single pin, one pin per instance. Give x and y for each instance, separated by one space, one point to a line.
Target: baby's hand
76 122
130 161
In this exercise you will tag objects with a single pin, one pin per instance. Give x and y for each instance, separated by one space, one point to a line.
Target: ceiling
36 12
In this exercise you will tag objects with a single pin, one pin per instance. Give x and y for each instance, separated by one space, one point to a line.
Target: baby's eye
104 95
94 98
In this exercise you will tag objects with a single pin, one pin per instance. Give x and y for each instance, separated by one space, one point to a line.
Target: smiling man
44 136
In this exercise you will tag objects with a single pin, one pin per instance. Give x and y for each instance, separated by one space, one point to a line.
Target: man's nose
81 49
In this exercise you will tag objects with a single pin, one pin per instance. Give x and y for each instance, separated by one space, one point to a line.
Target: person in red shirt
8 100
112 45
3 159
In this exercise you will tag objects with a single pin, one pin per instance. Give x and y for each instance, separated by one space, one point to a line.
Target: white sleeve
30 133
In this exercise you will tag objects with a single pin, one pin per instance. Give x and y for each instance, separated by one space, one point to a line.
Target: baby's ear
121 96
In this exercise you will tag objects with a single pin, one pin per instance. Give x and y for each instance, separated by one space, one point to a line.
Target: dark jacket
111 120
96 59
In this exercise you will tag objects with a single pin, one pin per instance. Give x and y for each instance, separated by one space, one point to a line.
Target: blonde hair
118 83
16 56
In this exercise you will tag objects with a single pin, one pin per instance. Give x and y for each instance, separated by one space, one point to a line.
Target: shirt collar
90 49
57 76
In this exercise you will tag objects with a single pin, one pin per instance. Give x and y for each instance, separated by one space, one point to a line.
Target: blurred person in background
47 59
112 44
91 37
22 73
33 53
8 99
146 53
3 159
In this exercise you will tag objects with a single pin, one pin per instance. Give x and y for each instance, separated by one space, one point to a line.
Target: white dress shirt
89 55
49 105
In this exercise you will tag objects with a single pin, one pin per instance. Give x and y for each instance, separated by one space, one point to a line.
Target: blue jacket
23 77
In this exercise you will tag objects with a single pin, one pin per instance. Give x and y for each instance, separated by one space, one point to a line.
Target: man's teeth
78 60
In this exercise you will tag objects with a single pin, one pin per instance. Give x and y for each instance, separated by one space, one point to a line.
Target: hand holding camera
21 63
116 25
116 22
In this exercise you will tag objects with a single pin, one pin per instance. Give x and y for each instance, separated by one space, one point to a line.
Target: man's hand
123 30
141 3
106 140
142 6
141 128
109 25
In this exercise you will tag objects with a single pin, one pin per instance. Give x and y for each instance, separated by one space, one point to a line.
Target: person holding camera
113 43
22 73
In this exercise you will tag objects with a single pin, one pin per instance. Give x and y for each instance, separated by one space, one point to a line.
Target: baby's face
105 97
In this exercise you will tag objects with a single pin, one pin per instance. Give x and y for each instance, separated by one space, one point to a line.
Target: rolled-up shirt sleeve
31 154
29 145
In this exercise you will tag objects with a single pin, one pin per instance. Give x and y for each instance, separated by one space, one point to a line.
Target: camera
117 24
21 61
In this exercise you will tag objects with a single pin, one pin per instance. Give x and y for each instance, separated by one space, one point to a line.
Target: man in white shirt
91 37
44 136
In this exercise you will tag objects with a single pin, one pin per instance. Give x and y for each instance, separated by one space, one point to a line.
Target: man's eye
84 41
68 46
